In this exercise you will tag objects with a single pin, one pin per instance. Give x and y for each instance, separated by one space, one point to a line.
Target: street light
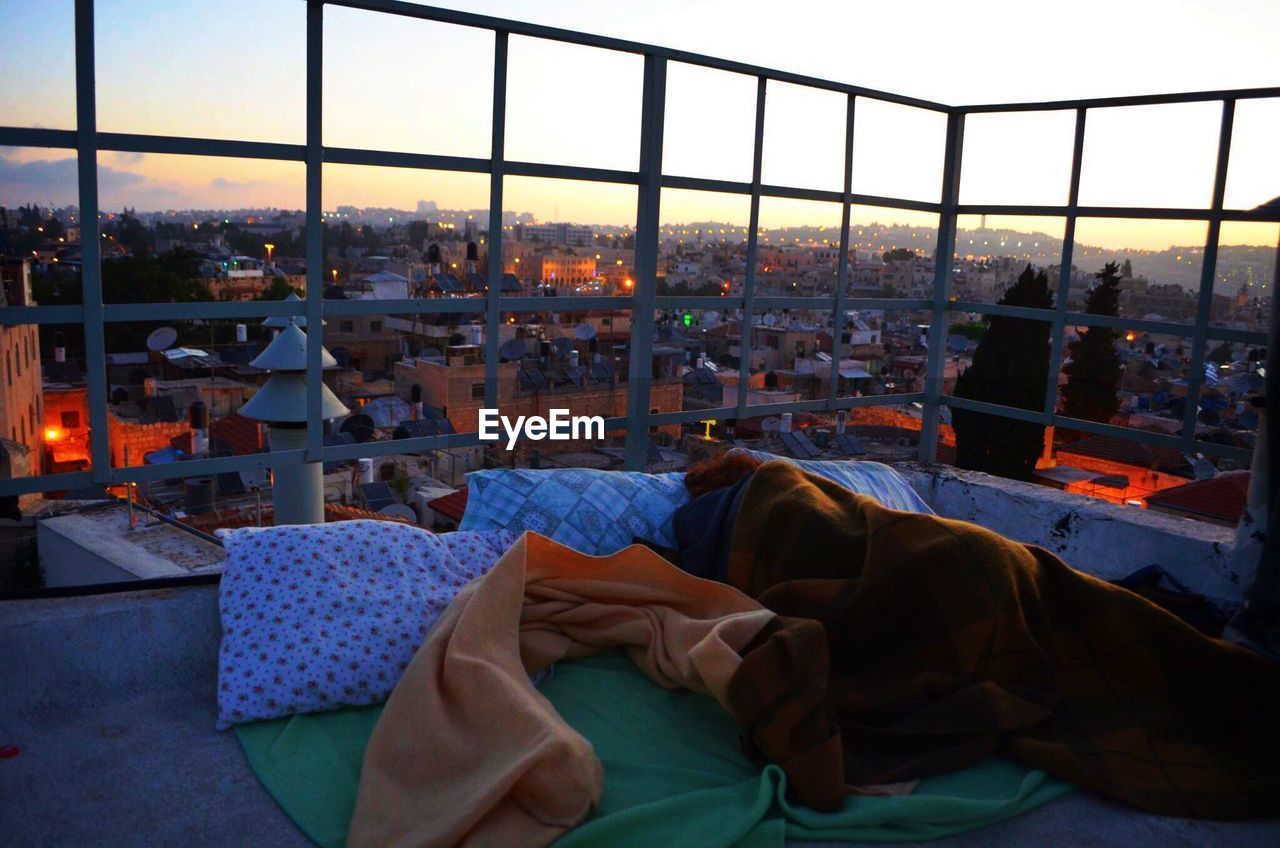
269 247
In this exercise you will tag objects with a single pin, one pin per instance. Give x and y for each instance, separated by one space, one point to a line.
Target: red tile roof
242 435
452 505
752 428
1130 453
341 512
1221 498
226 519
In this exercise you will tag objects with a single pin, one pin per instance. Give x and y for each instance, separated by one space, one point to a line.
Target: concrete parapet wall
1101 538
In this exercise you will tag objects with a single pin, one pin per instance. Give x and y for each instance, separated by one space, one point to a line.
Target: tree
173 277
278 289
416 233
128 231
1093 374
898 254
973 330
1010 367
1221 355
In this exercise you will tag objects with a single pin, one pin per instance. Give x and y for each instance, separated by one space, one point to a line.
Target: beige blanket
468 752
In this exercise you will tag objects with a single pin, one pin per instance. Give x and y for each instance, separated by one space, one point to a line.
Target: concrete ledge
1097 537
63 656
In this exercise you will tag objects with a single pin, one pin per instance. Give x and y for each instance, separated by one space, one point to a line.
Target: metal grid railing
649 180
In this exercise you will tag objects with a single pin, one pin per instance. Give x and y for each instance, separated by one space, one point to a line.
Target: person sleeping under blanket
946 643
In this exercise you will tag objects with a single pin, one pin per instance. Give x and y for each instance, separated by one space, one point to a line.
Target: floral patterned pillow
595 512
324 616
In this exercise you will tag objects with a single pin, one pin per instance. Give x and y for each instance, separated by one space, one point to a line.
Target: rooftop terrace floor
111 701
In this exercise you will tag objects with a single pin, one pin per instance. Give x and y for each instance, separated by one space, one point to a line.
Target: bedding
595 512
674 773
329 615
849 645
948 643
864 477
467 751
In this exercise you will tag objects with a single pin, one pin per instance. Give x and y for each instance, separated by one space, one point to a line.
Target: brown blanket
948 643
468 752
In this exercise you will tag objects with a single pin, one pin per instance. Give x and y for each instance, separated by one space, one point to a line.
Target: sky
236 68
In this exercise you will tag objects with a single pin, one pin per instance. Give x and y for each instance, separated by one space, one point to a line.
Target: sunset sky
235 69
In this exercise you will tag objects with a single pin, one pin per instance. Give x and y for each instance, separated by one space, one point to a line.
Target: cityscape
411 375
187 229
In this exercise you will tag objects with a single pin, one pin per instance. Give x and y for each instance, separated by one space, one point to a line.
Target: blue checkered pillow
866 478
595 512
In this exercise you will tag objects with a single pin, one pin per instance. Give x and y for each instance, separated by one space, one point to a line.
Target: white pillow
328 615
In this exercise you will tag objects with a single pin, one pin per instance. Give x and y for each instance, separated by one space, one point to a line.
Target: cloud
128 158
56 181
222 183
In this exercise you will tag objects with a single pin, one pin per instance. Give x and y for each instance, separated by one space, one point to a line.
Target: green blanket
673 773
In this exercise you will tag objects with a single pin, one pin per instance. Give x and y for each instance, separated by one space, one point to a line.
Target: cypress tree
1221 355
1010 367
1093 374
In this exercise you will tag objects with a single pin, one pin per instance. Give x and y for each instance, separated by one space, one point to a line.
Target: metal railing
650 181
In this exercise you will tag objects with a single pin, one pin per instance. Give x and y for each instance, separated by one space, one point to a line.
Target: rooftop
117 688
110 694
1220 498
102 546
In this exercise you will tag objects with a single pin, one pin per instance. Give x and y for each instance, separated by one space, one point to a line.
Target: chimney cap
283 400
288 352
277 322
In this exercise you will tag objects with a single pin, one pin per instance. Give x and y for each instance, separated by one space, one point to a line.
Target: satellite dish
562 346
770 320
360 426
400 511
162 339
513 351
711 317
586 332
772 424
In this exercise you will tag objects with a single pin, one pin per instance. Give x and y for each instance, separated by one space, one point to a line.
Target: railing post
315 227
942 265
95 354
753 247
1057 336
1208 273
492 312
842 261
644 299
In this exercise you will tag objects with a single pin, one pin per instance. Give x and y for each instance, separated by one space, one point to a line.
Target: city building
21 383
